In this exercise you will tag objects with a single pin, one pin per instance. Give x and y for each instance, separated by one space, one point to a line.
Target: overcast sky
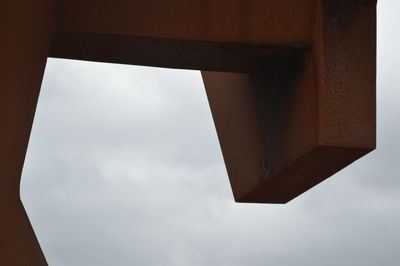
124 168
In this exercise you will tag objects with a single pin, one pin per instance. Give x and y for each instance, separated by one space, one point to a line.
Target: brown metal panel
347 79
26 28
267 21
234 112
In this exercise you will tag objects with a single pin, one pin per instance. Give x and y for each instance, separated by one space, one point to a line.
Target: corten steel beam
291 84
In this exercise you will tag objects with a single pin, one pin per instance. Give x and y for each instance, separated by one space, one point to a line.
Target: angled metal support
290 123
291 84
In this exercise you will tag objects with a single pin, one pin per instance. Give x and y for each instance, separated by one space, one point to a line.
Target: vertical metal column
26 29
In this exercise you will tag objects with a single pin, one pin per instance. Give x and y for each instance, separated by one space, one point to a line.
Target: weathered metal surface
316 111
267 21
293 99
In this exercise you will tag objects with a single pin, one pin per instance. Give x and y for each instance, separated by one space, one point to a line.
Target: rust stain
273 85
341 12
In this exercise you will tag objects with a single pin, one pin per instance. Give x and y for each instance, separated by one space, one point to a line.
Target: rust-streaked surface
291 84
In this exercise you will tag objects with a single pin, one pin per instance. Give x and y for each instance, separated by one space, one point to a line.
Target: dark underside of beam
182 54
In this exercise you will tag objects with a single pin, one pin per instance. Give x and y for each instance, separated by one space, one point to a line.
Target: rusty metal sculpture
291 84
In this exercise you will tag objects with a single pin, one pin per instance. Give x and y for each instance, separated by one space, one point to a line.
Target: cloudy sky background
124 168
